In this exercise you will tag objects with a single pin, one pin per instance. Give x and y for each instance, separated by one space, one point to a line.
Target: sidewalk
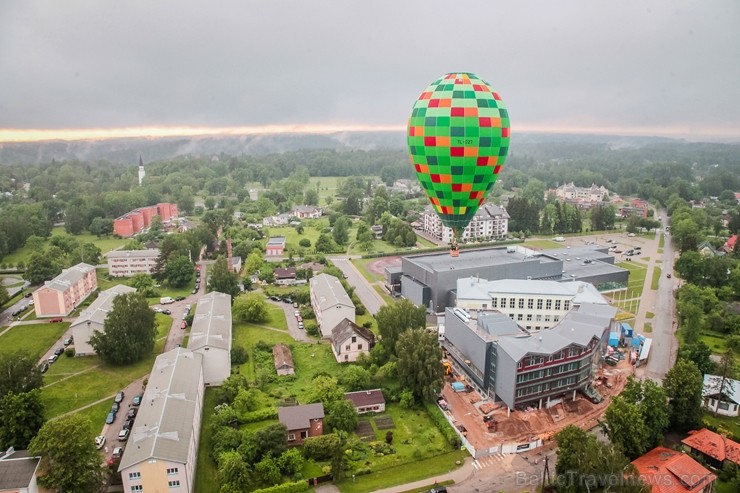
458 475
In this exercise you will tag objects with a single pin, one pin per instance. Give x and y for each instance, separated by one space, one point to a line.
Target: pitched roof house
284 275
210 336
330 303
302 421
349 340
725 401
671 471
367 401
93 318
18 472
283 359
715 448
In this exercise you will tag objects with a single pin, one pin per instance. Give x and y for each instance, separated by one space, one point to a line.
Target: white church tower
142 173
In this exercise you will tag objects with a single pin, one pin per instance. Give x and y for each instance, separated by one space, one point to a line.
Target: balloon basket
454 253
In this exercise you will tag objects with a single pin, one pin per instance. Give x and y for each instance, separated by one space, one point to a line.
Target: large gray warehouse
430 279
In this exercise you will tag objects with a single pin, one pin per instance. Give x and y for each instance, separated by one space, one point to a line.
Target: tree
254 261
143 283
355 378
325 244
271 440
305 243
267 471
179 271
223 279
652 402
291 461
339 458
129 333
4 295
700 354
340 232
21 417
311 197
42 267
69 461
19 373
325 389
101 226
250 307
233 472
396 318
419 363
625 426
683 384
342 416
726 372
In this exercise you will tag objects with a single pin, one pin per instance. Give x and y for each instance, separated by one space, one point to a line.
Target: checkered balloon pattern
458 138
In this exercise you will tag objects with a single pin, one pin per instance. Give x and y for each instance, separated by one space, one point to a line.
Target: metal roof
299 417
329 292
68 277
731 388
99 309
212 322
164 425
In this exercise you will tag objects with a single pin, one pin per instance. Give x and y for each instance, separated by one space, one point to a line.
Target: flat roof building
126 263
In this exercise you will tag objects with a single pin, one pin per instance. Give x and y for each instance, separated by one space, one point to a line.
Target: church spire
142 173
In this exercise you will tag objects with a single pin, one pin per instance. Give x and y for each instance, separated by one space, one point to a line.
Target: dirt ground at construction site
501 427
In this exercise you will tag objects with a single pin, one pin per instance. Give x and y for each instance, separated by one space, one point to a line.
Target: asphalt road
364 290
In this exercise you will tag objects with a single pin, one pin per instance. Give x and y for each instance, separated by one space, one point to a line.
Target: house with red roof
730 244
715 448
671 471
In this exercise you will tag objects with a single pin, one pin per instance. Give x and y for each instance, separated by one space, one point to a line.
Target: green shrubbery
442 424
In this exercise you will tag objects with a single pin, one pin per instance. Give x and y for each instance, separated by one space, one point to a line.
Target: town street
364 290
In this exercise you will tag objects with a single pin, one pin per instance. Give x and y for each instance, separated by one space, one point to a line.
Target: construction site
490 428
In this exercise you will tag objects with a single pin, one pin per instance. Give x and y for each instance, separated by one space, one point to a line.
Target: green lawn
107 244
732 425
647 328
361 264
661 241
105 283
311 230
206 476
655 282
403 474
72 383
36 338
649 315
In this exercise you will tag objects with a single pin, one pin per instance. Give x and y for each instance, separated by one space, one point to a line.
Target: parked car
52 358
183 325
128 424
45 367
55 320
110 418
119 397
157 309
179 298
58 351
668 275
300 325
123 435
67 341
117 452
99 441
297 314
136 401
28 295
295 305
195 290
115 407
166 312
132 412
299 318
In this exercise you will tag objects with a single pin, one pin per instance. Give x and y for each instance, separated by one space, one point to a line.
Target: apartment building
489 223
133 222
61 295
330 303
589 195
275 247
307 212
93 318
126 263
162 451
211 336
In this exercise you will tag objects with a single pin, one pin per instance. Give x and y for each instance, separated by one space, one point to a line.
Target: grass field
206 477
36 338
661 241
655 282
730 424
72 383
106 244
647 328
636 279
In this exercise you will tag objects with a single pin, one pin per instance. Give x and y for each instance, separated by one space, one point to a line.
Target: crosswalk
491 460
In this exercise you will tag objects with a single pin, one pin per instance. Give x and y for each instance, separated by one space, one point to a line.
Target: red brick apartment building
134 221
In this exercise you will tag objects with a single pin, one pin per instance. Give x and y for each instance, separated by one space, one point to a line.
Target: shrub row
295 487
442 424
259 415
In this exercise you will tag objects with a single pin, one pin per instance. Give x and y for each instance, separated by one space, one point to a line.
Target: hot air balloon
458 138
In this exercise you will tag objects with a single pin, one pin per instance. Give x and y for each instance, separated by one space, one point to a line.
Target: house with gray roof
302 422
92 319
721 397
283 359
210 336
527 367
18 472
330 303
349 341
162 450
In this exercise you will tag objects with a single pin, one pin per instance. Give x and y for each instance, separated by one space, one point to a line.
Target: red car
184 325
55 320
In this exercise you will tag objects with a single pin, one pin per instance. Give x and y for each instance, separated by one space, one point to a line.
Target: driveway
295 332
364 290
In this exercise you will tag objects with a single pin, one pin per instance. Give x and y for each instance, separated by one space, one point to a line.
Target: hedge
442 424
260 415
295 487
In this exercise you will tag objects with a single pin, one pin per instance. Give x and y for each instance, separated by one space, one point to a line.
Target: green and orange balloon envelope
458 138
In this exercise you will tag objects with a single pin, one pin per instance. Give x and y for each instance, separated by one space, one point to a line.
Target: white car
123 435
631 235
297 313
99 441
157 309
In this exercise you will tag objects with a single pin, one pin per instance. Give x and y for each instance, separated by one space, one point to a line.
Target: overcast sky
660 67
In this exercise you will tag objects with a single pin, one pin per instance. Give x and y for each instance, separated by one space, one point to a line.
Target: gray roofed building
367 401
163 445
70 276
283 359
349 340
93 318
330 303
210 336
724 400
18 472
302 421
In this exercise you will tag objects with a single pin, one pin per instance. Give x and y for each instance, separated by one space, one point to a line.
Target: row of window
538 360
563 305
555 370
544 387
171 484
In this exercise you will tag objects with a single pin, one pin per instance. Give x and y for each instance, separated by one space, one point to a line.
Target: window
174 484
548 305
134 475
347 347
539 318
359 346
539 304
556 318
172 470
566 306
557 304
291 437
547 318
512 303
494 302
530 303
529 317
137 487
521 302
354 339
503 302
520 317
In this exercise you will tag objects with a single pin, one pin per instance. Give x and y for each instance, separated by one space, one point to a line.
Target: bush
311 329
321 447
295 487
239 355
259 415
442 424
70 352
